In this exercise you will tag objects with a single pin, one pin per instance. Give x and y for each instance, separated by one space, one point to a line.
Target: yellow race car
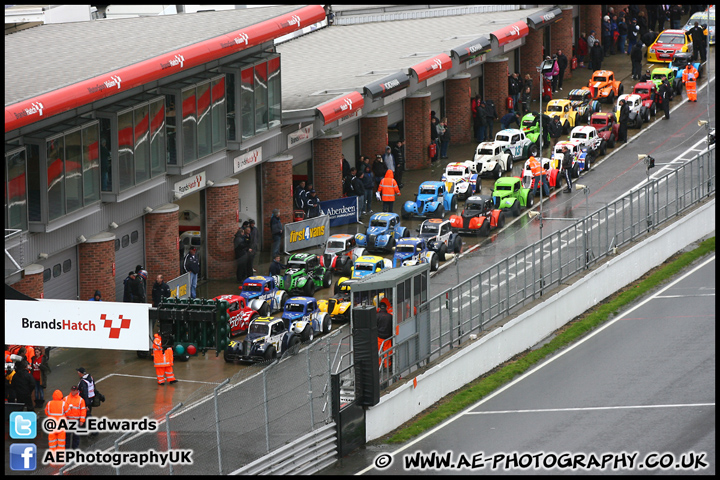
338 306
562 108
667 44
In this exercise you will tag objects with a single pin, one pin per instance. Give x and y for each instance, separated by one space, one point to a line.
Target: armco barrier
532 326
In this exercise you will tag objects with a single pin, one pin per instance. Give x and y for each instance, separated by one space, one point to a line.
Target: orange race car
603 86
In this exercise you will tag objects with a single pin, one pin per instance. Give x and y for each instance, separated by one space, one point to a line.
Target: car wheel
440 212
327 324
434 263
602 147
653 109
309 288
621 89
270 353
496 173
441 252
327 279
501 220
533 150
294 340
308 334
509 163
346 269
611 141
264 310
575 172
457 248
516 208
283 300
530 201
611 98
485 228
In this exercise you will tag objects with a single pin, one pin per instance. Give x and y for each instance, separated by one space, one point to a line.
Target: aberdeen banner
78 324
306 233
341 211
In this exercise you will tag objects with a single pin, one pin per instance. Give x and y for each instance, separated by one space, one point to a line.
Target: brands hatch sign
77 324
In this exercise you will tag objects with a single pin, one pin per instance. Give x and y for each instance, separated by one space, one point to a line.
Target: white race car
639 113
587 136
515 142
461 179
492 160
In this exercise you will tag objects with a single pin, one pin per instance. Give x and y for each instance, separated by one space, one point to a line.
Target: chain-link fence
232 424
451 317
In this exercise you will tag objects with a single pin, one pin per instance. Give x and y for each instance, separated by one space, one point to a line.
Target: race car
648 93
588 137
606 126
439 237
707 20
580 160
340 252
262 295
383 231
303 317
461 179
667 44
367 265
339 305
515 142
659 74
491 160
552 174
432 199
680 61
581 101
531 127
563 109
604 87
239 314
478 216
267 337
414 251
639 113
304 275
509 194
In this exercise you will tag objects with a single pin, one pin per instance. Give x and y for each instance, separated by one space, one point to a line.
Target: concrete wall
535 324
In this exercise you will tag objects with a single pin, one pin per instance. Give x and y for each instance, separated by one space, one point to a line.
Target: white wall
528 329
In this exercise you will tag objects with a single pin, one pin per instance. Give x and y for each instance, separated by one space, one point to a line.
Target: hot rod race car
432 200
639 113
604 87
303 317
440 237
509 194
492 160
478 216
581 101
340 253
383 231
338 306
461 179
414 251
239 314
262 294
267 338
304 274
607 127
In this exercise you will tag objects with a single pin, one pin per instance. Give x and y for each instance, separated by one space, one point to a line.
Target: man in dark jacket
23 384
313 205
398 152
509 118
384 322
87 390
276 267
665 93
276 230
359 189
562 61
127 287
299 195
597 55
515 89
379 169
566 169
645 77
160 290
623 121
636 58
138 289
369 186
676 13
490 116
241 244
192 264
697 33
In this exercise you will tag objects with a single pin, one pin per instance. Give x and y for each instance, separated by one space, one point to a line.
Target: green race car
509 194
659 73
531 127
304 275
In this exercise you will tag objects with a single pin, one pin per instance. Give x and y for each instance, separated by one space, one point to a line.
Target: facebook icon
23 457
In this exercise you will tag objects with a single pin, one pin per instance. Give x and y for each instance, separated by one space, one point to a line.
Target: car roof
478 198
558 100
384 215
507 180
510 131
435 220
603 72
257 279
673 31
300 299
434 183
368 259
267 320
229 298
410 240
344 236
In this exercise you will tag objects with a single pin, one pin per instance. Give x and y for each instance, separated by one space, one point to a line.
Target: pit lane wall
534 325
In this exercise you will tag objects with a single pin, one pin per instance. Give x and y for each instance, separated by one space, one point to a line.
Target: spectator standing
622 29
240 247
276 266
24 385
562 62
86 387
127 287
676 13
36 367
369 186
276 230
97 297
378 169
491 115
606 35
299 195
160 290
665 93
623 119
444 137
252 251
347 184
313 204
663 16
652 12
642 22
555 129
697 33
566 168
388 191
399 153
526 100
138 288
582 49
475 109
481 122
57 410
192 265
389 159
345 166
509 118
359 189
633 36
597 56
528 83
614 32
434 137
515 89
636 57
76 409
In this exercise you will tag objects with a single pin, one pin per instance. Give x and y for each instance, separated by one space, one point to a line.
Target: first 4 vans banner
77 324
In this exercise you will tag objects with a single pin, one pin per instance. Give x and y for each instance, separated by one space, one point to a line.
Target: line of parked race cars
352 256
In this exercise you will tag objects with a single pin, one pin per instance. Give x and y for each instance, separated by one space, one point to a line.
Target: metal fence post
310 400
167 430
267 417
117 443
217 423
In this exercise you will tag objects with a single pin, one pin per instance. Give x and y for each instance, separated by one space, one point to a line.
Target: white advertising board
77 324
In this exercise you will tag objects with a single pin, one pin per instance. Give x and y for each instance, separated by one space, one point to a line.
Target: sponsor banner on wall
301 136
180 286
192 184
78 324
306 233
341 211
250 159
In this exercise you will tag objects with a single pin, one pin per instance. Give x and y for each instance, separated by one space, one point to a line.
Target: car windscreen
642 91
473 206
599 79
555 108
294 307
296 264
336 245
595 121
427 190
405 249
252 287
429 228
455 173
503 187
577 98
502 138
485 151
364 267
378 223
579 135
528 123
671 38
259 328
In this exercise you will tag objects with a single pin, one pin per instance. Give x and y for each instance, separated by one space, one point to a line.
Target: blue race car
432 199
261 294
414 251
302 316
383 231
679 61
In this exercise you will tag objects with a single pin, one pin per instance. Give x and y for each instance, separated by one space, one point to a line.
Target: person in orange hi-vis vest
539 175
56 409
689 78
75 405
388 189
169 366
159 359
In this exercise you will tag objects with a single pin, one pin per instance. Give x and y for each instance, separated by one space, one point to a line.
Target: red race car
239 313
478 216
648 94
606 126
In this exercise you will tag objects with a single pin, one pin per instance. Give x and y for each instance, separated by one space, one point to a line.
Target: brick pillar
221 205
495 76
373 134
95 258
417 131
531 57
277 182
591 19
561 37
32 282
327 166
458 108
161 244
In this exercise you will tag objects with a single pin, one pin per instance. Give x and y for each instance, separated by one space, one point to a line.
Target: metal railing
448 319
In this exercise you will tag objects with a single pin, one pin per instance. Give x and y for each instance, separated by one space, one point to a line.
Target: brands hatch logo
242 38
178 60
514 30
35 107
294 20
115 331
346 105
436 64
115 80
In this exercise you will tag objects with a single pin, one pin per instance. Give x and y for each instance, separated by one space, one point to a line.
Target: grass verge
471 393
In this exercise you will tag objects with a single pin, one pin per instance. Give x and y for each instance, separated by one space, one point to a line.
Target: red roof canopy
433 66
510 33
341 107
